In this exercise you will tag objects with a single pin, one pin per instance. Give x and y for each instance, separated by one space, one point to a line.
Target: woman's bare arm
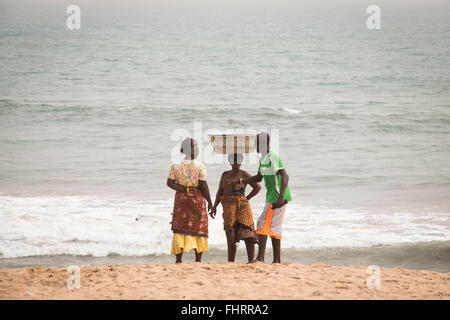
175 186
218 195
203 185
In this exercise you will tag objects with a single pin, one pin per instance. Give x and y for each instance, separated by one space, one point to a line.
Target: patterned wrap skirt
189 214
238 217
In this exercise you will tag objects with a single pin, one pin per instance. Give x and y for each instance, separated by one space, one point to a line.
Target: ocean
90 121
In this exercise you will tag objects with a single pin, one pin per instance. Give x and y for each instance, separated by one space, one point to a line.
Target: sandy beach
222 280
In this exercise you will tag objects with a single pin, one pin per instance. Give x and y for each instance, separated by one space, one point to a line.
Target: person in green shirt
278 195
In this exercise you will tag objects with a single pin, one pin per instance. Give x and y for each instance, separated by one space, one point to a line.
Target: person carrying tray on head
277 196
237 214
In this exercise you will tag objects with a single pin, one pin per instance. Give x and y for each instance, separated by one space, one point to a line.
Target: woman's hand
212 212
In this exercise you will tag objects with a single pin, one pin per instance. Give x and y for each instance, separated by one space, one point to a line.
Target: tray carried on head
232 143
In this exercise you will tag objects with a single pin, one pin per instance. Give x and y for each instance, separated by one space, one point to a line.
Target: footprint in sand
341 287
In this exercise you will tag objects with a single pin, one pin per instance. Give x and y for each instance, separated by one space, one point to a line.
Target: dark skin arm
256 187
172 184
203 186
218 195
284 183
253 179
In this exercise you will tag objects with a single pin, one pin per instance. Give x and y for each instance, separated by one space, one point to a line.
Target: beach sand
222 280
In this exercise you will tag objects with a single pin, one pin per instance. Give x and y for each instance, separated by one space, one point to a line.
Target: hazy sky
226 4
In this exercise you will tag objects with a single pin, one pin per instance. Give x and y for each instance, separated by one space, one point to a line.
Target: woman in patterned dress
189 217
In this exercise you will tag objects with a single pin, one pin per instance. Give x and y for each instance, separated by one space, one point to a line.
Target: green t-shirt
268 167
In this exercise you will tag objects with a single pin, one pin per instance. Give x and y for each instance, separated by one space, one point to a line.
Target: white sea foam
82 225
293 111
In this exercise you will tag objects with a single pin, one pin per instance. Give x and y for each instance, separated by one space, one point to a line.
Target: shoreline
432 255
223 280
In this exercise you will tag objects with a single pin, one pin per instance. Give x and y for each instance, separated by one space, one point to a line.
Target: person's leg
178 257
250 246
231 245
276 230
198 256
262 239
263 226
276 246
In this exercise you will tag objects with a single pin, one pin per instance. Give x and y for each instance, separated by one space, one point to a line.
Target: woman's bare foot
255 261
